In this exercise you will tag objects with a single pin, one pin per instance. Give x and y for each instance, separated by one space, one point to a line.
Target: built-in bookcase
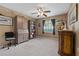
31 29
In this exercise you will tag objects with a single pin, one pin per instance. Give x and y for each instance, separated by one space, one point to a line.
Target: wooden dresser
66 43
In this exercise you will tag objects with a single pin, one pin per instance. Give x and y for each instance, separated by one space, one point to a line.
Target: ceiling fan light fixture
42 12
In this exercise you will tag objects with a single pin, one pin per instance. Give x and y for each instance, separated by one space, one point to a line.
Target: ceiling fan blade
38 15
45 15
48 11
34 13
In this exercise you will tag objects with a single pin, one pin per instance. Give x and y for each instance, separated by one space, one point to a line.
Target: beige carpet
35 47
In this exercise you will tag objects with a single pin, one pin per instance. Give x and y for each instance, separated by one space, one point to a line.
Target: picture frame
4 20
73 16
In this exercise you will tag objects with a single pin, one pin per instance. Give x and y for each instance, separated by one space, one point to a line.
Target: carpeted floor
35 47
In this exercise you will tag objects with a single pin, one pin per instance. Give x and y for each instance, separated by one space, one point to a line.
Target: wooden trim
29 29
77 11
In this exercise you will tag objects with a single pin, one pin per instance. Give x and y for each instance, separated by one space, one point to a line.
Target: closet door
25 37
20 37
25 29
20 29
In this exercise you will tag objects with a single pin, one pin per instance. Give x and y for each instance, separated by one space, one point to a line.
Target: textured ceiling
29 8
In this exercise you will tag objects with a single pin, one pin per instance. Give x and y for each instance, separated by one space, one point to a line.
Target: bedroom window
48 27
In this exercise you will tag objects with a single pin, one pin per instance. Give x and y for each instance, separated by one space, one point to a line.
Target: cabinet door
25 24
68 44
22 30
25 37
19 23
20 38
25 29
60 42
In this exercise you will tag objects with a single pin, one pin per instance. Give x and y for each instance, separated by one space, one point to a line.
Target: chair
9 36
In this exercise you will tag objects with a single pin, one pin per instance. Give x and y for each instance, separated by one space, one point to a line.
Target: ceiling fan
41 12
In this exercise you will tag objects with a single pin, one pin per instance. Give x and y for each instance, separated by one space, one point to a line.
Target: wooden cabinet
21 27
66 43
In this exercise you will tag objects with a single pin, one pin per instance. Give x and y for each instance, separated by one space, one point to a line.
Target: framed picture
73 16
5 20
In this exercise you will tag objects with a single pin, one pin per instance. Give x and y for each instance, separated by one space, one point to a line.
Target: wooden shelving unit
31 29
